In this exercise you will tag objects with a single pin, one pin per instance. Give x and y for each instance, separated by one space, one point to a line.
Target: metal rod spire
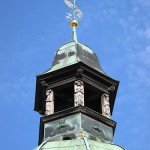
74 7
74 35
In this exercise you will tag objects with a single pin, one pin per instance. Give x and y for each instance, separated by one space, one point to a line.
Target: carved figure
49 106
105 105
78 93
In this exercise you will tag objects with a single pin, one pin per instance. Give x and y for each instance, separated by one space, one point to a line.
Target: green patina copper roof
72 53
79 144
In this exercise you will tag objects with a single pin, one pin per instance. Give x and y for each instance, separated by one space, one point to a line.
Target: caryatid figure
78 93
105 105
49 106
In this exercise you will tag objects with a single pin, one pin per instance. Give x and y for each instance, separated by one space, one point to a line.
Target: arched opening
66 138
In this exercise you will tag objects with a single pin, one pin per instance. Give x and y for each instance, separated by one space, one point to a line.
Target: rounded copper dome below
79 144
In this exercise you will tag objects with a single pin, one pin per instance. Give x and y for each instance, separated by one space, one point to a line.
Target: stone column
105 105
78 93
49 106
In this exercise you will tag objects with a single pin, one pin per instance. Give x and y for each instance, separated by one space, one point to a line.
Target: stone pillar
49 106
105 105
78 93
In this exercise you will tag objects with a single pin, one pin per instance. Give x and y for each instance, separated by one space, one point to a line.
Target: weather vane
76 13
74 16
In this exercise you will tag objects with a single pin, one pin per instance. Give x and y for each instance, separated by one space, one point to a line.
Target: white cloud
144 33
142 3
144 56
139 68
17 92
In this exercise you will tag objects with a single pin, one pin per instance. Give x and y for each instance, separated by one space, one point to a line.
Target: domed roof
79 144
72 53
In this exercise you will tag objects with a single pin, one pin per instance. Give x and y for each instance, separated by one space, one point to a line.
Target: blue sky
30 33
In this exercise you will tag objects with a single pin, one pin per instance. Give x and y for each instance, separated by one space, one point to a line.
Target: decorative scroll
78 93
79 72
105 105
97 132
49 106
62 128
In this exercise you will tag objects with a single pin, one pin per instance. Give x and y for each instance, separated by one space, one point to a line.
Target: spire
74 16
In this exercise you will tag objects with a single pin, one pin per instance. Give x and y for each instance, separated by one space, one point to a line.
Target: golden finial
74 23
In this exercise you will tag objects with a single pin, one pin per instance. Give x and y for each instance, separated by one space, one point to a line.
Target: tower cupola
75 98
